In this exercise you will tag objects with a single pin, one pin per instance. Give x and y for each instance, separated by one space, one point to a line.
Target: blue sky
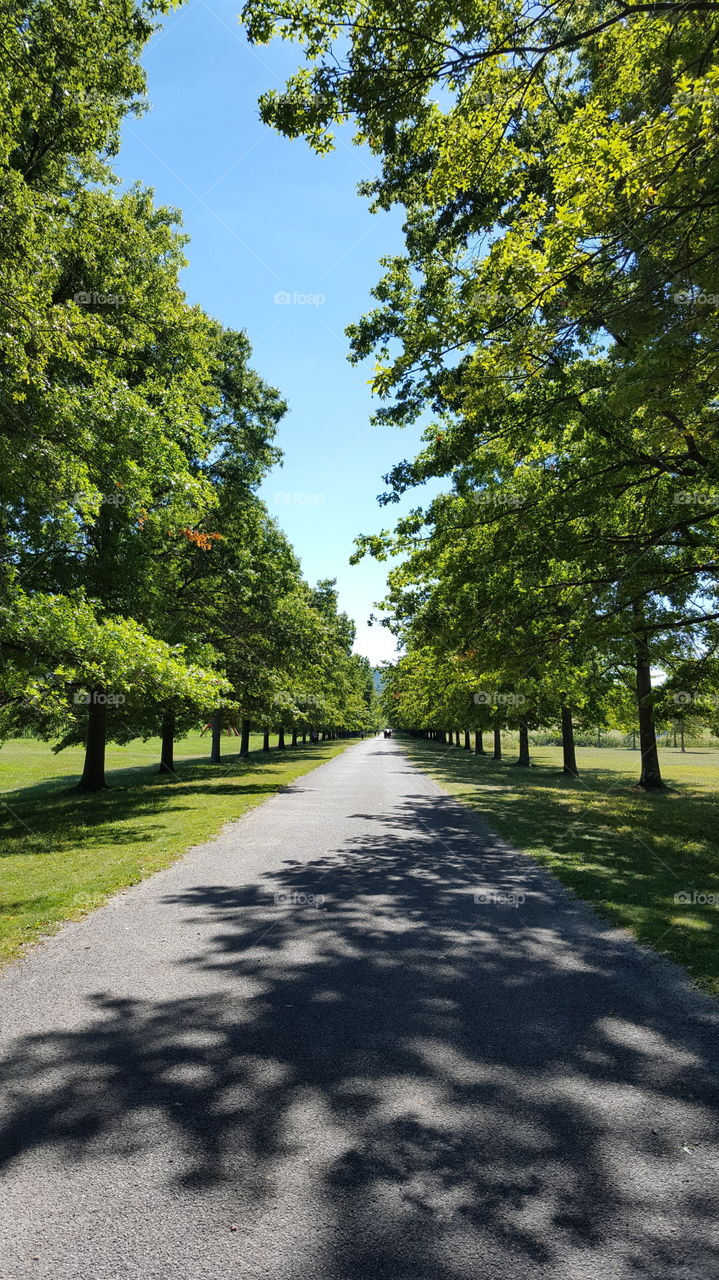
267 217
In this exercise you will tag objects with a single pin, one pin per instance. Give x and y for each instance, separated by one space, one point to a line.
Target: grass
61 854
626 852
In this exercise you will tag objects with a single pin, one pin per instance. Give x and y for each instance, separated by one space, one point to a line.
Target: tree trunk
497 744
651 774
450 739
281 740
568 752
266 740
523 760
167 755
216 749
93 774
599 736
245 739
467 743
675 735
294 737
478 743
304 739
681 735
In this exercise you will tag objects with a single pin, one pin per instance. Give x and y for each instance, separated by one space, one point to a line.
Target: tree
70 72
75 678
134 399
104 367
205 569
553 305
135 555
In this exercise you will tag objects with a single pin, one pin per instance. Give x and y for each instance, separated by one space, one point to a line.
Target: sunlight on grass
62 854
626 852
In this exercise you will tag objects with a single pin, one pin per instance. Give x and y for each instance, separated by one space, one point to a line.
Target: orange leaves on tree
202 540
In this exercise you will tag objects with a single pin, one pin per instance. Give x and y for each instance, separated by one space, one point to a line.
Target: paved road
217 1075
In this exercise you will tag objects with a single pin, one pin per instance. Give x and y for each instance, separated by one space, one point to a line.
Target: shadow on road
470 1082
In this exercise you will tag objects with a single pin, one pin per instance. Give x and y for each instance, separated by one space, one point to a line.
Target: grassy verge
627 853
63 854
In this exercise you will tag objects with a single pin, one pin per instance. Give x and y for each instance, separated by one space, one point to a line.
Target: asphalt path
357 1037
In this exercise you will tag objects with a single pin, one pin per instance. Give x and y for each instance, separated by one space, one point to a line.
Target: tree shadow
627 852
464 1064
55 812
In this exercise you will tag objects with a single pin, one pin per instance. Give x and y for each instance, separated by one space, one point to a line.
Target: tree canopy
552 319
145 586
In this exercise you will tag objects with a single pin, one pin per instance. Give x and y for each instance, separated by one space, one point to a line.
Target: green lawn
626 852
62 854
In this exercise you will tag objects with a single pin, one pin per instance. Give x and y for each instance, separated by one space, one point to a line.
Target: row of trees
427 690
144 584
554 322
